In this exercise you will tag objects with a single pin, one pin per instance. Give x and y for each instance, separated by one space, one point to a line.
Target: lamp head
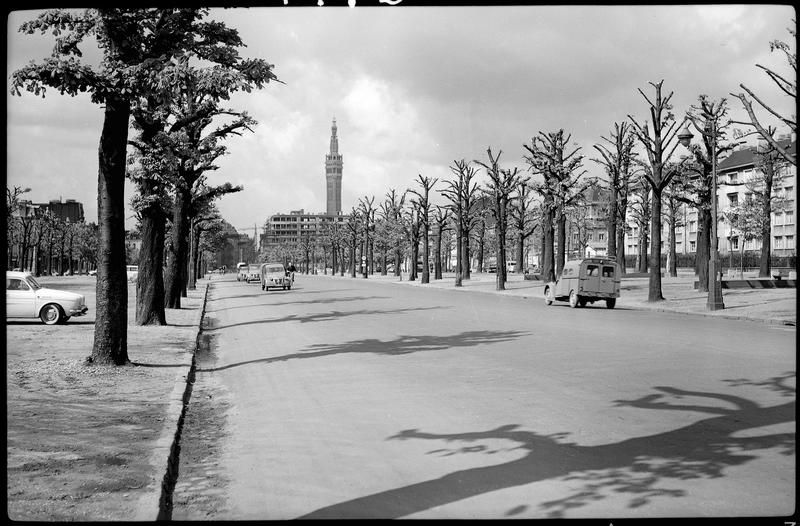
685 136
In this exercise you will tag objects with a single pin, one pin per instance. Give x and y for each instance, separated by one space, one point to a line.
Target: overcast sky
413 89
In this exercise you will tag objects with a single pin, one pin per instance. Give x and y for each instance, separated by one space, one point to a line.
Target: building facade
734 173
333 175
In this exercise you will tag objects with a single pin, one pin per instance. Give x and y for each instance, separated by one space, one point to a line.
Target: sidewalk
89 443
772 306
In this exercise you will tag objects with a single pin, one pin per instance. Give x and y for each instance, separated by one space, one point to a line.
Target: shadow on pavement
321 316
637 468
399 346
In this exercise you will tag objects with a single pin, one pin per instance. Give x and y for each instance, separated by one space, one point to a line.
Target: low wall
756 283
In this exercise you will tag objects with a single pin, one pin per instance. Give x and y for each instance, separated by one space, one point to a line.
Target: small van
273 275
132 272
585 281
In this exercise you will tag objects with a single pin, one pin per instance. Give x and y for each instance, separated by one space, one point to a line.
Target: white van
132 272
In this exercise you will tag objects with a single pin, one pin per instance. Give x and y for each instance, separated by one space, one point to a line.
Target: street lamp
714 284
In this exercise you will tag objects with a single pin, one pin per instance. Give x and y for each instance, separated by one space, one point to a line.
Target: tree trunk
621 228
150 285
110 344
673 225
548 256
466 264
437 256
654 290
500 280
562 240
612 225
426 272
176 265
703 249
459 259
765 261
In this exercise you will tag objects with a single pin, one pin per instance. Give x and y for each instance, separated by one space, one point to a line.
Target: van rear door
591 278
608 279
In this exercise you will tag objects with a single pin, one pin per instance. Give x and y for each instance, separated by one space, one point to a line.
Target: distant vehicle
253 273
93 272
273 276
585 281
26 298
242 269
132 272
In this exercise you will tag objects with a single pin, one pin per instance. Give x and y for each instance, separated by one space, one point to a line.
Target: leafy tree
787 85
137 45
747 220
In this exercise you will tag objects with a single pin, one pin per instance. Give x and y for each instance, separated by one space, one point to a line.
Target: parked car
93 272
273 276
242 270
26 298
585 281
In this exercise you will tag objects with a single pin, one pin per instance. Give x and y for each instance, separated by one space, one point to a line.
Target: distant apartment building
295 226
733 172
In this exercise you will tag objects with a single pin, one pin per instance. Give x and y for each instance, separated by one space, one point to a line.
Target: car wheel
582 301
51 314
573 299
290 286
65 319
610 302
548 298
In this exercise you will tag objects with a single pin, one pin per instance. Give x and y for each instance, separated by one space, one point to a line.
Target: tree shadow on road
321 316
399 346
638 468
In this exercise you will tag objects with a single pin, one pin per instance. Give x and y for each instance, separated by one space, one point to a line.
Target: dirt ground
80 438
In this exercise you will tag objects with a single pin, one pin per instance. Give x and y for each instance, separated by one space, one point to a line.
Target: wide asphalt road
348 398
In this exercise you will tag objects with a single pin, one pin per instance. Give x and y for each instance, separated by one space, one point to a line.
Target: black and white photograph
382 259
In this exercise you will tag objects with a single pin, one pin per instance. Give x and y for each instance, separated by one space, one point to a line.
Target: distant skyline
414 88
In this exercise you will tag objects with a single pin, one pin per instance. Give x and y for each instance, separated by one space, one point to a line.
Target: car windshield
33 283
274 269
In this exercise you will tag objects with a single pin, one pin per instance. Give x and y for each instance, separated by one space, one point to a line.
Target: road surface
347 398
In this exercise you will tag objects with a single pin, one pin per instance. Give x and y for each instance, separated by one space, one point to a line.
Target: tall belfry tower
333 174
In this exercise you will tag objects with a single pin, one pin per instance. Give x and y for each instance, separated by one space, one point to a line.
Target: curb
767 321
158 505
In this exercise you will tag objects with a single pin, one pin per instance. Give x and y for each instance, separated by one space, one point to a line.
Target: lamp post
714 301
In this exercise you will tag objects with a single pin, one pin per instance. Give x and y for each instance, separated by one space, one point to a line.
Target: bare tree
788 86
617 160
424 207
656 143
549 156
461 193
502 182
441 218
523 221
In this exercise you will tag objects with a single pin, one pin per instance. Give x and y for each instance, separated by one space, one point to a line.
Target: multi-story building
297 225
733 174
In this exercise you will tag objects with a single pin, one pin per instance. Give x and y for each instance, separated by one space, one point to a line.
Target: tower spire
333 174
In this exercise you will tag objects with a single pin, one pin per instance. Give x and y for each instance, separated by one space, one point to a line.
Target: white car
26 298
